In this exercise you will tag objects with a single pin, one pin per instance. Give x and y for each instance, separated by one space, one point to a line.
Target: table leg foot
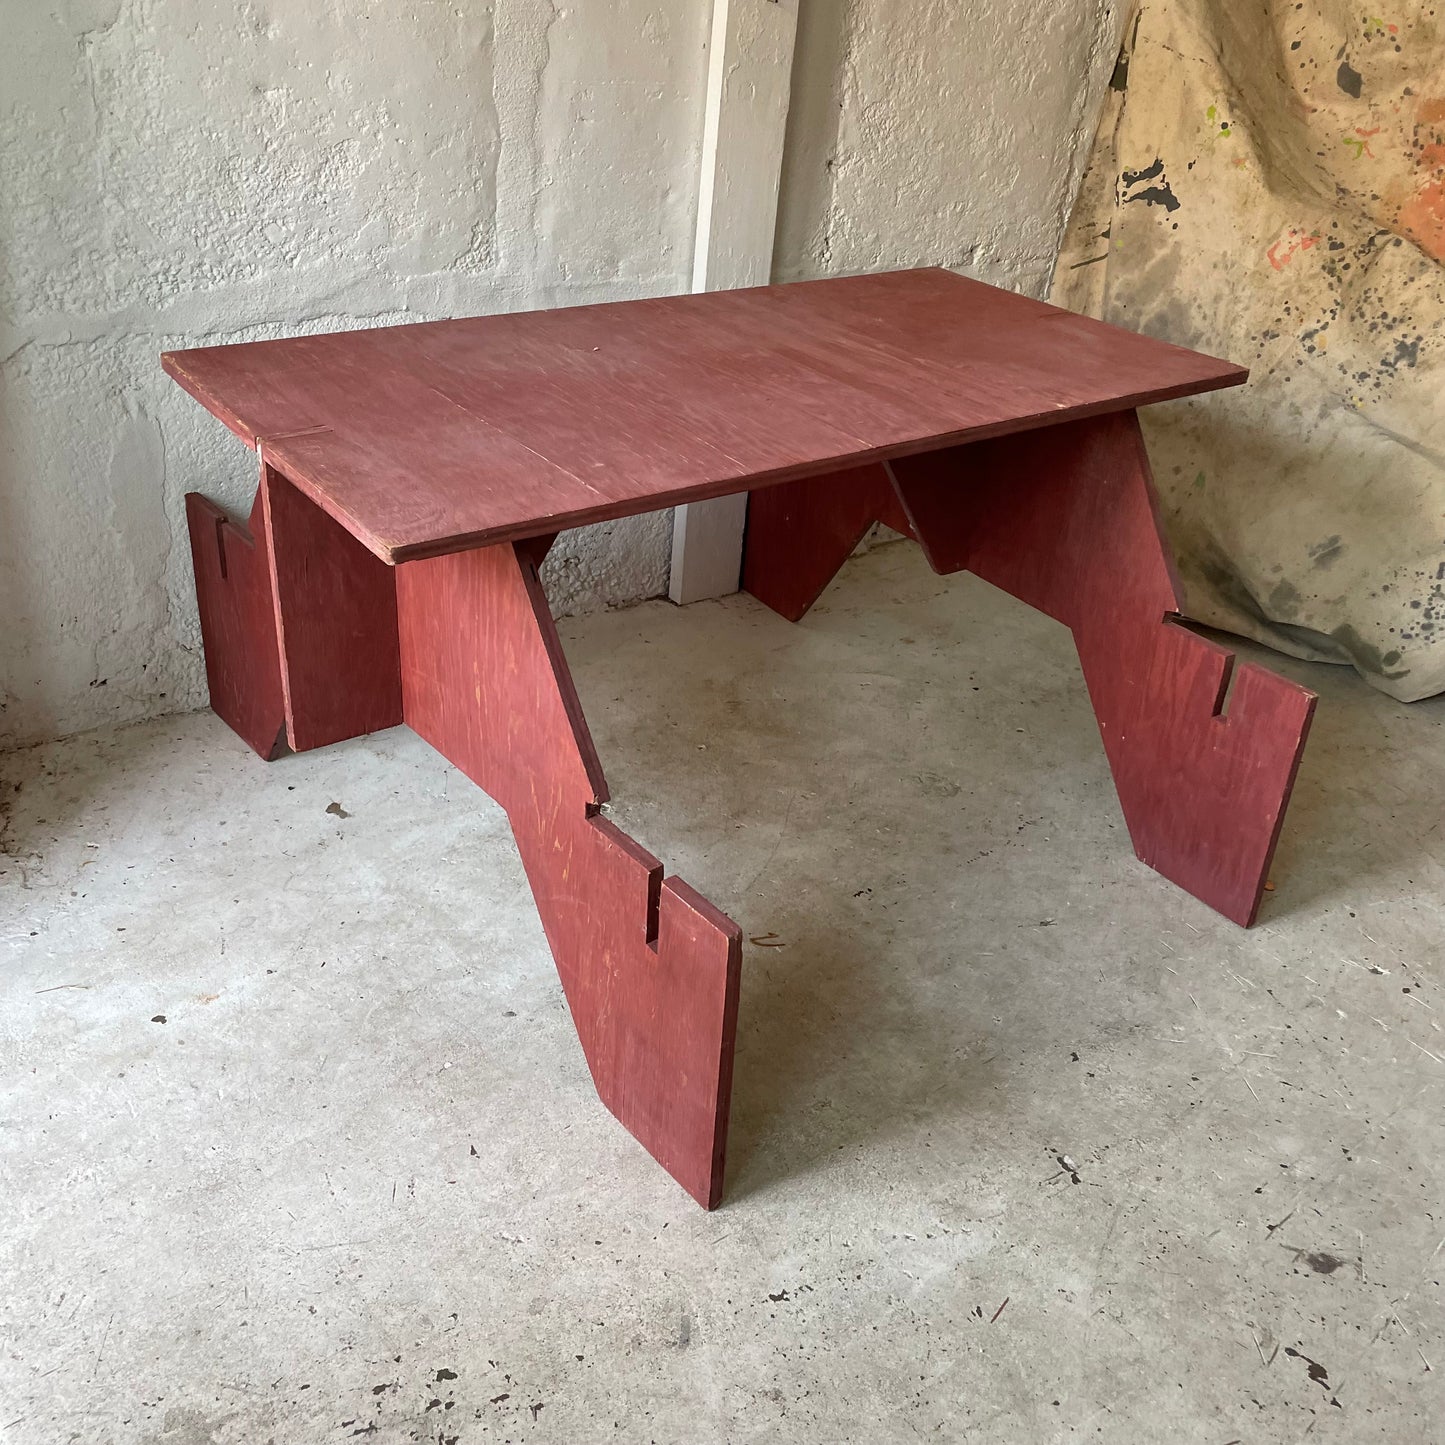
238 622
649 967
1204 754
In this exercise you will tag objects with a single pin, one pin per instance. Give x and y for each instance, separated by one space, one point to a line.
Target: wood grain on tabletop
433 437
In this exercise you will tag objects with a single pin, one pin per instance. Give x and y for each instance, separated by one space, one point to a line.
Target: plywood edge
404 549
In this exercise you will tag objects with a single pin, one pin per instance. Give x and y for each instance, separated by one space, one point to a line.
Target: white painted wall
933 132
177 172
174 172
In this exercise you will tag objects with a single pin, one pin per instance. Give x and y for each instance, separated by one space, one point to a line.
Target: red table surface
431 438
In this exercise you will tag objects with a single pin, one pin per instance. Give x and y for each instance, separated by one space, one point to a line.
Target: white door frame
750 66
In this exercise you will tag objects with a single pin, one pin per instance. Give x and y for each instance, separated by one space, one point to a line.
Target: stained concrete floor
298 1145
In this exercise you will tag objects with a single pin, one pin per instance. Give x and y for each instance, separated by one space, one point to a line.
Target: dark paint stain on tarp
1365 655
1160 194
1349 79
1407 353
1149 173
1285 600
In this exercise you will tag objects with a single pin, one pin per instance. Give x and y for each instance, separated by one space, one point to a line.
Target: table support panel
238 622
1203 752
307 633
650 968
298 621
336 622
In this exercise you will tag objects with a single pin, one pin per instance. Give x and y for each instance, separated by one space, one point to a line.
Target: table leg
800 533
308 635
650 968
1203 753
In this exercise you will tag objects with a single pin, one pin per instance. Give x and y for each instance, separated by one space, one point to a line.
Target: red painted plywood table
412 479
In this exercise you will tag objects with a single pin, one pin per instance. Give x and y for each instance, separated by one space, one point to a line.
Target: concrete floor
298 1144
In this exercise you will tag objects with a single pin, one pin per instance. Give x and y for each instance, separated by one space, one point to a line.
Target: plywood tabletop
431 438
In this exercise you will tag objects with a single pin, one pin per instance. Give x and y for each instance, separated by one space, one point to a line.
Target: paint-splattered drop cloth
1268 184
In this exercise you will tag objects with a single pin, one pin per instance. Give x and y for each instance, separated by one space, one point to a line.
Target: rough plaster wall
928 133
176 172
925 132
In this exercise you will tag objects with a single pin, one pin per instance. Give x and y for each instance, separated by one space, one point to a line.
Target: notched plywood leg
649 967
1203 785
298 621
238 622
1064 519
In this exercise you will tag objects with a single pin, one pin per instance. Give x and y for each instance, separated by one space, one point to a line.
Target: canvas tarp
1268 184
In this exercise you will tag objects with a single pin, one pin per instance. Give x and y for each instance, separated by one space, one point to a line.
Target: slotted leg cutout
1063 518
650 968
238 622
307 634
298 620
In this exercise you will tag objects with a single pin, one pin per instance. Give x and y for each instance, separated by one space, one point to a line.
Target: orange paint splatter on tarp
1422 218
1288 247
